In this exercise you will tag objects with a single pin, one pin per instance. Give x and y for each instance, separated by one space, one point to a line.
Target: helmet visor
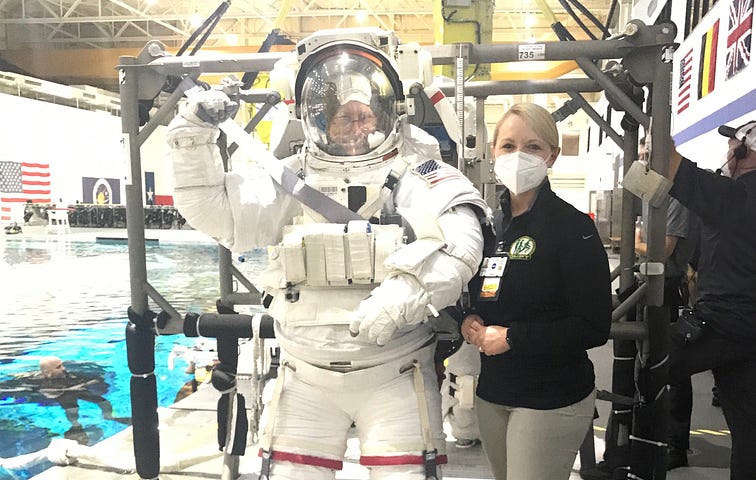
348 103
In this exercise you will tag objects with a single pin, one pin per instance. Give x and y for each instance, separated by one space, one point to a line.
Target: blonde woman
541 299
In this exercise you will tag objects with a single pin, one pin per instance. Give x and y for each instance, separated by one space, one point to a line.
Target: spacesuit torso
316 272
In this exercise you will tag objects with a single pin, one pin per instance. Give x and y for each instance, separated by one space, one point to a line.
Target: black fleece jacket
727 265
555 297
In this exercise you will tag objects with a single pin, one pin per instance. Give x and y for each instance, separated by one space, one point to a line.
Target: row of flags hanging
30 182
26 182
737 49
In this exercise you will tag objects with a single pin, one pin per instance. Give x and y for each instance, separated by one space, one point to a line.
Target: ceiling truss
85 24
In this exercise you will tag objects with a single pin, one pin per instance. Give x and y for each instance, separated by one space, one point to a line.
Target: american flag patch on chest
435 173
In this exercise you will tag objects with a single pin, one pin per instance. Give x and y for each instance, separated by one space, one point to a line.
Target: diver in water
67 389
53 384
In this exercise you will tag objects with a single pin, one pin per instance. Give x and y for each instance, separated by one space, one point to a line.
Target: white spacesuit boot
351 298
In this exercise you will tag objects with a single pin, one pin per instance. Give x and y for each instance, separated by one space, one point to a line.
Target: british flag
739 36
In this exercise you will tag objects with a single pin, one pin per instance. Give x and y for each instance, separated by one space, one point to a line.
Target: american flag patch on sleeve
434 173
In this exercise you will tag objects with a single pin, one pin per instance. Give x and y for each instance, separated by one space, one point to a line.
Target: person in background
28 212
692 288
201 374
542 298
725 310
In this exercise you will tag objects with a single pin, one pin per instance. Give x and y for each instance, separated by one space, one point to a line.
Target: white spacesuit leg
282 470
459 392
404 439
305 433
395 407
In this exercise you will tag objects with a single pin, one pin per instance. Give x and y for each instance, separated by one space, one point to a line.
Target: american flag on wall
22 181
739 36
683 85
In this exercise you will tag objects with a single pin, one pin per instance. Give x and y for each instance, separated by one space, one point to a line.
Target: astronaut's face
348 104
350 127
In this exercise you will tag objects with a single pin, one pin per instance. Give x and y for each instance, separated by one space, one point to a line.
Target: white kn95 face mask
520 171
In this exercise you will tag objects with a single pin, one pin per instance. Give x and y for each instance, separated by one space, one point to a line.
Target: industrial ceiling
79 41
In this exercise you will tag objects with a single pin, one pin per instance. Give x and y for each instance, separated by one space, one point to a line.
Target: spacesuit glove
58 451
212 106
400 300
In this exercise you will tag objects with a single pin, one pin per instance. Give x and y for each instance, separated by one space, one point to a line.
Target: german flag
707 68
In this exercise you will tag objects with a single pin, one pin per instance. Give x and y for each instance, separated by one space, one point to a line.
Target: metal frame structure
646 60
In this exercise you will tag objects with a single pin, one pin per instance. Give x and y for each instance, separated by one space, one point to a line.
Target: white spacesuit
351 300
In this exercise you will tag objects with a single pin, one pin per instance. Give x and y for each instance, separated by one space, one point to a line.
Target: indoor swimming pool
69 299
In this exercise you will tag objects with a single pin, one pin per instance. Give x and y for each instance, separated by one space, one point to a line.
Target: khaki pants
527 444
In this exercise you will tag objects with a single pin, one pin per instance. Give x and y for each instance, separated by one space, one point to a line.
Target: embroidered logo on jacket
434 173
522 249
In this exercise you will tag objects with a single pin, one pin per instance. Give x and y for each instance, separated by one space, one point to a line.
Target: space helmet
349 98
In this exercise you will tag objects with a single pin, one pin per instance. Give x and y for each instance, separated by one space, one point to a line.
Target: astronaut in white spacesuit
351 300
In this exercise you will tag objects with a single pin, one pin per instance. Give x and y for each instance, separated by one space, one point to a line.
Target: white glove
398 301
211 106
58 451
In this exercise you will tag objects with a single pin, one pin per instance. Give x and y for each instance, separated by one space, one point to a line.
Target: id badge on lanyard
491 270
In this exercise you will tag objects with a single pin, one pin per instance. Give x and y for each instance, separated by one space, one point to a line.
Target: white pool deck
188 427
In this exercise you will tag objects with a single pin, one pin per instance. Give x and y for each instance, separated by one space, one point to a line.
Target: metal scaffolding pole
140 340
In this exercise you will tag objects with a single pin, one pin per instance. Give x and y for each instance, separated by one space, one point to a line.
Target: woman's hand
490 340
471 326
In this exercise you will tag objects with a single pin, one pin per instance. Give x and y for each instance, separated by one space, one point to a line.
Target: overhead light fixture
195 20
361 16
530 20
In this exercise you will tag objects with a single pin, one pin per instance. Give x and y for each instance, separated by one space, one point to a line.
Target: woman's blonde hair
537 117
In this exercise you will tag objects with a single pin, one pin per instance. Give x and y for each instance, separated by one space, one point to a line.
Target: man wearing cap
726 305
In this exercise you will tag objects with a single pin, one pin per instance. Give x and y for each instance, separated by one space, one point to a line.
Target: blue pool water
69 299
